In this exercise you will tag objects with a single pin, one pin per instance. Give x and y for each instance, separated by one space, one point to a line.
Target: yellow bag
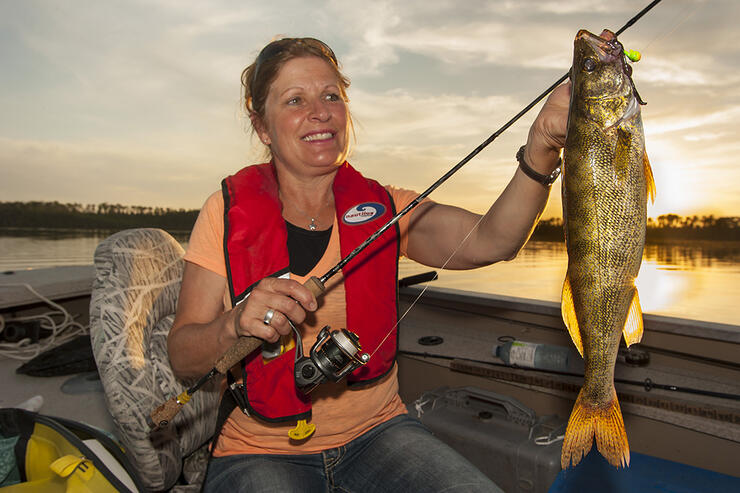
58 455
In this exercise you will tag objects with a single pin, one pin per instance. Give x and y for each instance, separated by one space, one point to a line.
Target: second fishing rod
348 347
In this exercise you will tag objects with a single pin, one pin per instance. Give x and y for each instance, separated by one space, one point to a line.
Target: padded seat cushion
134 298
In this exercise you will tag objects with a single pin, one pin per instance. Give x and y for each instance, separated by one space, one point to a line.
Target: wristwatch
544 180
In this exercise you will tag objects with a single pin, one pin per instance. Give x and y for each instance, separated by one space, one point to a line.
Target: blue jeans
399 456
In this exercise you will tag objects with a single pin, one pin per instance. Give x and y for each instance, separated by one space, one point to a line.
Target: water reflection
24 249
61 234
682 256
699 281
687 256
691 280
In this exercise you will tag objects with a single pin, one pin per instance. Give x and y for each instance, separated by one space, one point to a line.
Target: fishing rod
647 384
164 413
331 272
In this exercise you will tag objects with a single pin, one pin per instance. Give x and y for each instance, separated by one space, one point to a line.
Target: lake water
698 280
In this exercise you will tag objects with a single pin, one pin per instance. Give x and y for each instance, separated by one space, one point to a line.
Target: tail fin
605 424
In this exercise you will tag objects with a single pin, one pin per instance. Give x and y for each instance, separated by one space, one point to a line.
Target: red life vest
255 247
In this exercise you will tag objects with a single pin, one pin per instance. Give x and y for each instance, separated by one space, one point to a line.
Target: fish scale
606 182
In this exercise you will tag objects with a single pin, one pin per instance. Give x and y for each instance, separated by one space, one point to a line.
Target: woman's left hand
547 133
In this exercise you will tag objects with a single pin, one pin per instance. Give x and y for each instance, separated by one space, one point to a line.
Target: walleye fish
606 183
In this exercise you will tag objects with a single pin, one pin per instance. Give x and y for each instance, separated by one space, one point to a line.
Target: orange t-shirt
339 414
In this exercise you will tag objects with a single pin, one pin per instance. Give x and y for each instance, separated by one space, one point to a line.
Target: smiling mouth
318 136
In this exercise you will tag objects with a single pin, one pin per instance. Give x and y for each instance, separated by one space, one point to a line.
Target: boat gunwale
76 281
658 323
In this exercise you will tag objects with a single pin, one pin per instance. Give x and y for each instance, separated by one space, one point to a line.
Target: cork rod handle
166 412
245 345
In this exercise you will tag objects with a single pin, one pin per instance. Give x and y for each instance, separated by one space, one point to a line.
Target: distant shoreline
57 217
183 235
102 217
668 228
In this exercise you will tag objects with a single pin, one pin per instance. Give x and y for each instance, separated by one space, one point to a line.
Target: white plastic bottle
533 355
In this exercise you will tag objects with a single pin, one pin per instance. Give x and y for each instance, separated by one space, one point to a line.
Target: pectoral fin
568 311
633 326
649 178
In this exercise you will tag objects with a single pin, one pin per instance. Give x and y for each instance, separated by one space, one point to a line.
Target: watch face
553 176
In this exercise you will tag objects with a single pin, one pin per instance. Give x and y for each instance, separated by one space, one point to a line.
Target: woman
300 213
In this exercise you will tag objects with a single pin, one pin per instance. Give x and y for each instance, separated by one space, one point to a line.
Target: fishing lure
633 55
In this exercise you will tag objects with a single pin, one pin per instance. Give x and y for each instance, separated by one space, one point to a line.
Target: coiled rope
58 321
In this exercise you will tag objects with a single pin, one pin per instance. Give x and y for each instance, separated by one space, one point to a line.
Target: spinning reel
335 355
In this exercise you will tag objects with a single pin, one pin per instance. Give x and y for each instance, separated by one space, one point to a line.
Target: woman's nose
320 110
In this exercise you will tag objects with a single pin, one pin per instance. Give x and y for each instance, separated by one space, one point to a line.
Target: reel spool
334 355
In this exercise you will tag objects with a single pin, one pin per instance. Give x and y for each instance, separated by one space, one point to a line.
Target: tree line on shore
116 217
667 227
93 216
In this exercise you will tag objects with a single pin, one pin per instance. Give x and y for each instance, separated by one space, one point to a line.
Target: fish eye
589 64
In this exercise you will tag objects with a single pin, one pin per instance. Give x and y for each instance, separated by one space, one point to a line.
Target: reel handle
246 344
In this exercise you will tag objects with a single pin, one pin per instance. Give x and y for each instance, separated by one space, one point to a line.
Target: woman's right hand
285 298
202 331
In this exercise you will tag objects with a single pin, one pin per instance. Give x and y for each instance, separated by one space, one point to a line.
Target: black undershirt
305 248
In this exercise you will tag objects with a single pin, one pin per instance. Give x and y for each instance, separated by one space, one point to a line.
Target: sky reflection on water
698 281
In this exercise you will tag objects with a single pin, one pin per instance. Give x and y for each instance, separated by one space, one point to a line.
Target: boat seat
134 296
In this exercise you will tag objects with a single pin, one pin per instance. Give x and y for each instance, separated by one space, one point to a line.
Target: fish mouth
605 45
609 50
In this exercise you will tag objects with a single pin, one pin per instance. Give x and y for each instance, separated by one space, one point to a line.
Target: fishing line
452 171
413 303
676 25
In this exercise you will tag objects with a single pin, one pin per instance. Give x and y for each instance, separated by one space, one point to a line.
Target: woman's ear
259 128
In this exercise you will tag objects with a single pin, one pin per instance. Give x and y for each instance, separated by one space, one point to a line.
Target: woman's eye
294 100
589 65
333 97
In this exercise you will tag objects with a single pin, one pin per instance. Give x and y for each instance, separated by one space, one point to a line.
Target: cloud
95 172
398 116
532 34
410 140
680 122
90 89
707 136
687 70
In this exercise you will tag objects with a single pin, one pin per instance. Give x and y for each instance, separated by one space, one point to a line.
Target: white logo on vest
363 213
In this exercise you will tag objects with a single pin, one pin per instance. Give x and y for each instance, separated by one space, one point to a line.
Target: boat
681 405
686 425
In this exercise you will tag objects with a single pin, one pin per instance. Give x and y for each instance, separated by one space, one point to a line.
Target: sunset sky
137 102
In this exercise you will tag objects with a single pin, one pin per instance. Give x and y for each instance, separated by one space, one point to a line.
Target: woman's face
306 119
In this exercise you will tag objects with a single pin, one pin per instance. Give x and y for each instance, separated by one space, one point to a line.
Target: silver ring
268 316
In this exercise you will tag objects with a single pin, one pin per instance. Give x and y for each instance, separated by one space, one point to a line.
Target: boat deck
77 397
699 430
695 429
